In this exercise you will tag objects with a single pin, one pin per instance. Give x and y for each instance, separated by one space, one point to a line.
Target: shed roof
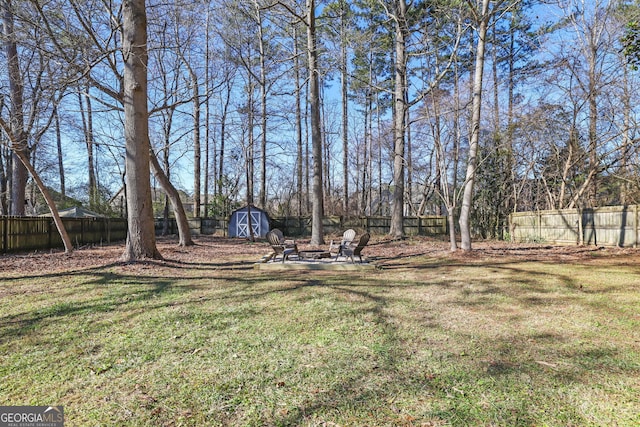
76 212
253 209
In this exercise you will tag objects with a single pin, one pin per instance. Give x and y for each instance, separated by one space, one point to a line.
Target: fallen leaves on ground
213 249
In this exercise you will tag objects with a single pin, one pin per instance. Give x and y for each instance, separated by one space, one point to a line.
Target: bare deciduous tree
141 239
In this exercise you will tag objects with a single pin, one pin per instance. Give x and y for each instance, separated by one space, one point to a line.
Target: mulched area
212 249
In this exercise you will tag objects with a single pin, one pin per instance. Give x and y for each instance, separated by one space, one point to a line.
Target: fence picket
606 226
39 233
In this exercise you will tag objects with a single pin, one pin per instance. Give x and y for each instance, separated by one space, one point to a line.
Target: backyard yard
506 335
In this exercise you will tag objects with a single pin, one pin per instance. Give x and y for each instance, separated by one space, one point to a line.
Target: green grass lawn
423 341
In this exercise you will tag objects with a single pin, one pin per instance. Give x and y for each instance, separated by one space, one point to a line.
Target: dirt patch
211 250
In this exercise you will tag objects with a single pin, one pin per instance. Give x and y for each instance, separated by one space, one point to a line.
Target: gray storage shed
239 222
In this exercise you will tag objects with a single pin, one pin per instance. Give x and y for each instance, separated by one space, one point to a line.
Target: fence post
635 209
5 235
580 228
49 234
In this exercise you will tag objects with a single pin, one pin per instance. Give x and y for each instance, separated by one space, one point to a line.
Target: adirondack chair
281 246
347 238
355 249
286 242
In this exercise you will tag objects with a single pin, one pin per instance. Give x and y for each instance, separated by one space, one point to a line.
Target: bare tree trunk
452 205
205 202
363 168
593 129
379 130
182 222
87 128
207 118
68 246
409 189
317 237
197 151
326 160
167 167
4 178
344 85
263 113
472 161
63 190
513 199
250 142
400 106
141 239
298 94
447 191
626 138
18 137
223 133
167 129
307 155
252 236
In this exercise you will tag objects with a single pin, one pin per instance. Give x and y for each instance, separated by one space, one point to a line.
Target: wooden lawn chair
281 246
355 249
347 238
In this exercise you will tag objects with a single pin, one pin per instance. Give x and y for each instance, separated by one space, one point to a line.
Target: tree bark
298 95
141 239
400 107
250 154
223 133
197 151
344 85
472 161
592 97
24 160
627 142
317 209
184 232
5 163
63 189
87 127
207 118
263 107
18 138
51 204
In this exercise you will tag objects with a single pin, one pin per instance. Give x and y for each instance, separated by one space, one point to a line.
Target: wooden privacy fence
301 226
196 225
607 226
40 233
413 226
37 233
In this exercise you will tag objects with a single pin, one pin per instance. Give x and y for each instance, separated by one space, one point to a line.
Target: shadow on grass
375 385
19 324
414 369
109 288
470 388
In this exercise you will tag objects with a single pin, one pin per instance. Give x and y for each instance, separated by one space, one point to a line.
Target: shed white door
242 224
